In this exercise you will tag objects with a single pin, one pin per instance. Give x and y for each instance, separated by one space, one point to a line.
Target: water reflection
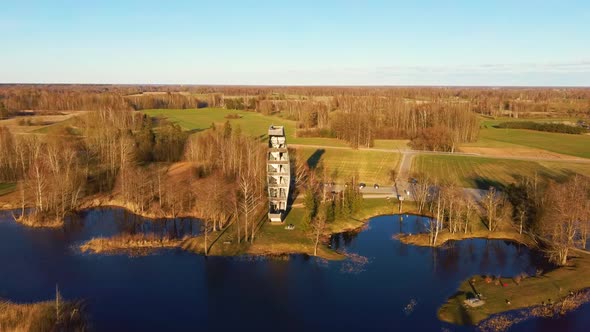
176 290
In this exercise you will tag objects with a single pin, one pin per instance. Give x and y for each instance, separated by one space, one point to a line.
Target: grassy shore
41 316
275 240
545 288
423 239
508 293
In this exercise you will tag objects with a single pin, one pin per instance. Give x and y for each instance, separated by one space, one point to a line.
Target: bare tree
422 188
492 202
318 226
567 218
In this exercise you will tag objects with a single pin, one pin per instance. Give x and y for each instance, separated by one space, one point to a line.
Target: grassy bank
444 236
545 288
274 239
41 316
507 293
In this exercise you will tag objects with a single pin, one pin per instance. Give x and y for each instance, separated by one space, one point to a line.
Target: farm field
478 172
341 165
251 123
573 145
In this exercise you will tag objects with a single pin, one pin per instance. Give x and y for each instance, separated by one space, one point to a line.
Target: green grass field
6 188
476 172
251 123
574 145
341 165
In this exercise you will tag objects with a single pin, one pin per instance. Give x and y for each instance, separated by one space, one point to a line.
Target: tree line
548 127
555 214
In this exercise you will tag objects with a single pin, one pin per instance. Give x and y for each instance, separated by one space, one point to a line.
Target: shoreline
140 244
423 239
504 320
41 316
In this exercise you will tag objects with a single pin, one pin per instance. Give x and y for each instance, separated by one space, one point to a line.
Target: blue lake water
173 290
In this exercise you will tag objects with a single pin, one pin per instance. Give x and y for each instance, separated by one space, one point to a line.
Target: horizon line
304 85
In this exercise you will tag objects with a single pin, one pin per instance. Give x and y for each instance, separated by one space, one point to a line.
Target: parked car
362 185
376 186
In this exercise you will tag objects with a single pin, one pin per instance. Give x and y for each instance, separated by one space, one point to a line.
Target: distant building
278 173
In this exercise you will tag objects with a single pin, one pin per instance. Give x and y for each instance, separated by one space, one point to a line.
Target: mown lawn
574 145
476 172
341 164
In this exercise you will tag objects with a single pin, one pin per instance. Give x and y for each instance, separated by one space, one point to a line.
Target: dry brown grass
37 221
504 321
423 239
40 120
41 316
129 242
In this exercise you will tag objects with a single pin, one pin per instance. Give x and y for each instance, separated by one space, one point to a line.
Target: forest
113 153
433 118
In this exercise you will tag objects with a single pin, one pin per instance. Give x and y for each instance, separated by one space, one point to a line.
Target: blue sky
517 42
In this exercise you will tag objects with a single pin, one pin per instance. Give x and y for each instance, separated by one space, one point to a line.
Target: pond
385 285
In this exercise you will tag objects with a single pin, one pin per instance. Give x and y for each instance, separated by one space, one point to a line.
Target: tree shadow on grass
315 158
486 183
464 318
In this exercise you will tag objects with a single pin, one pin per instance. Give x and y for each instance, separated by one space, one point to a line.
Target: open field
573 145
40 123
478 172
342 164
487 122
251 123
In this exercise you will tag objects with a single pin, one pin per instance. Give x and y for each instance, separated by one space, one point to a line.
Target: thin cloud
490 68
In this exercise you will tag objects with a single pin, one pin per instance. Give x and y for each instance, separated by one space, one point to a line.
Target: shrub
548 127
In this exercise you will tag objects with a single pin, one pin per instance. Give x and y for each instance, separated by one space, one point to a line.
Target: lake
176 290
